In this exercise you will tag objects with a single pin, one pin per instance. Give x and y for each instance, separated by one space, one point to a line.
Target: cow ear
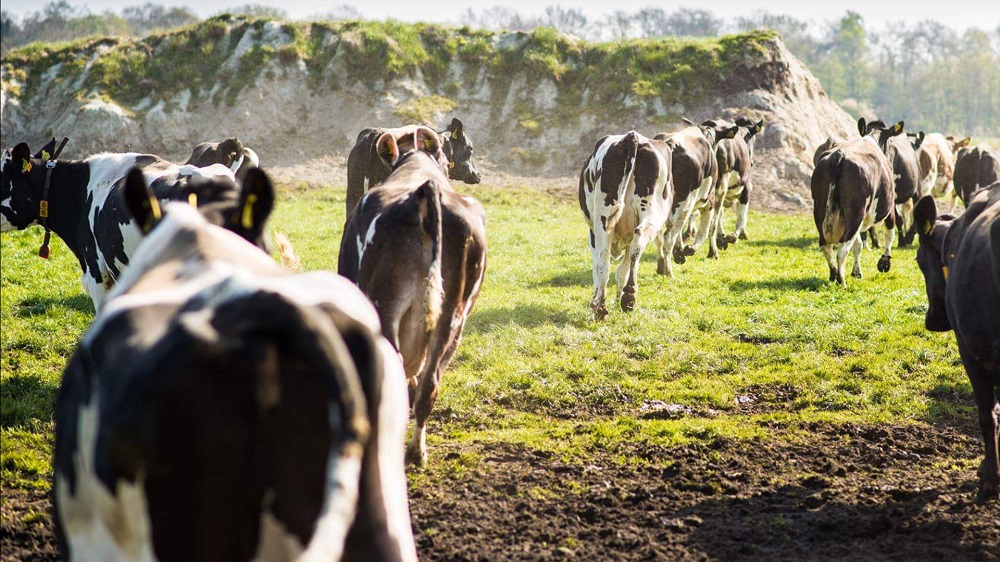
759 126
919 141
46 151
140 202
457 128
21 155
925 215
896 129
963 143
688 121
862 126
728 133
256 203
387 149
427 140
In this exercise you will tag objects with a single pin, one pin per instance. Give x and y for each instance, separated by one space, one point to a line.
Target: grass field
728 350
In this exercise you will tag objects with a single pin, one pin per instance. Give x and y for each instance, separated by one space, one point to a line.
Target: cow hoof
600 313
987 493
414 458
628 302
856 274
731 239
661 266
840 280
743 235
722 243
713 254
689 250
833 275
884 263
679 257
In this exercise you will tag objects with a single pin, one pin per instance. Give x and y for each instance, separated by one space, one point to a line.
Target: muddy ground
825 492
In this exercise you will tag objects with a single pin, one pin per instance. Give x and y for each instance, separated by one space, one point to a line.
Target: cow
906 185
937 166
960 262
231 153
829 144
852 189
735 160
694 172
975 168
86 210
223 408
417 249
367 169
625 194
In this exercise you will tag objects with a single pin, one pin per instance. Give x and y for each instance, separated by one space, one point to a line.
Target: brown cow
417 249
694 171
366 169
967 300
976 168
852 189
937 166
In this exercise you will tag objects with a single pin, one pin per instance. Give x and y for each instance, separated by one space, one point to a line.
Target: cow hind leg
430 383
601 253
858 247
640 238
885 262
831 260
742 210
988 407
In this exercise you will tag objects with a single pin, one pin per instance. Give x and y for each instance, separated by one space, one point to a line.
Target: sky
958 15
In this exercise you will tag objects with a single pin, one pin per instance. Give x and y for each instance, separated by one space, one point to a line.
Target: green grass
534 369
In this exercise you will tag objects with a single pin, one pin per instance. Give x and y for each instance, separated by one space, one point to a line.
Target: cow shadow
801 283
953 405
792 242
522 315
570 278
27 400
42 305
796 522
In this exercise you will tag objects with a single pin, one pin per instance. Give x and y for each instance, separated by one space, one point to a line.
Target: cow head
931 259
956 145
717 130
916 139
458 148
21 183
393 144
246 213
753 129
879 131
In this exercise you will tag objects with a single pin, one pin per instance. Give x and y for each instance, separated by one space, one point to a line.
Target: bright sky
958 15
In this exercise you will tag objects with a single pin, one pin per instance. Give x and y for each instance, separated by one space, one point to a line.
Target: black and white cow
936 157
960 260
367 169
223 408
735 185
417 249
853 191
906 185
625 194
87 210
976 168
231 153
694 173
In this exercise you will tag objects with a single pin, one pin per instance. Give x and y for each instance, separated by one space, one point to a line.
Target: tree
567 20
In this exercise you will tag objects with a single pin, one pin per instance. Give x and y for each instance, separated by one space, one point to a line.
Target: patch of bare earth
822 492
831 493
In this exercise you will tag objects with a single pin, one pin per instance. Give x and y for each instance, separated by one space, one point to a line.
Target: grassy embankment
535 370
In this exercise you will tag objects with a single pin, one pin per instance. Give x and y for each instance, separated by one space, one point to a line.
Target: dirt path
821 493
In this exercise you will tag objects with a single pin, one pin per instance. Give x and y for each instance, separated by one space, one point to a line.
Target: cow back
976 168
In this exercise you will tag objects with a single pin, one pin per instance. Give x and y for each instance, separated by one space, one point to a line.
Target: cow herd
225 406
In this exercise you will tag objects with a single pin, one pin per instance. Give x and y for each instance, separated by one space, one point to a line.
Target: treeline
934 77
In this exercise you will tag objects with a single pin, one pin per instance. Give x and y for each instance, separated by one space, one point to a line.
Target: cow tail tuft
288 257
431 222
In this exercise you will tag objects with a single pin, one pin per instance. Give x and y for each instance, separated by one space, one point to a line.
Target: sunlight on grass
754 339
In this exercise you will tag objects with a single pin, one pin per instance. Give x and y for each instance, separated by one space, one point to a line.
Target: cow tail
631 142
836 159
288 257
431 224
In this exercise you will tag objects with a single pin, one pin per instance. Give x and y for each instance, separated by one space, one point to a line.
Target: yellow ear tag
25 166
451 165
46 155
248 211
944 270
193 200
427 145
